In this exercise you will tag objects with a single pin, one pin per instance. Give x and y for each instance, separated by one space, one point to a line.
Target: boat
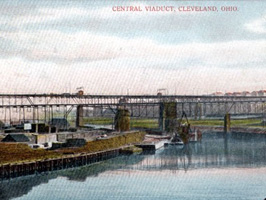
184 132
175 140
179 143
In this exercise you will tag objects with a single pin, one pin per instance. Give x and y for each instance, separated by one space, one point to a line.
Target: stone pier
167 116
79 116
122 119
227 123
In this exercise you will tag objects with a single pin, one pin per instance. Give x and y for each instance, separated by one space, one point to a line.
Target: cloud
52 14
257 26
63 48
99 18
44 47
107 77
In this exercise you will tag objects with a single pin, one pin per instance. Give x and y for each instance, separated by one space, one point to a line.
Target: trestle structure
38 108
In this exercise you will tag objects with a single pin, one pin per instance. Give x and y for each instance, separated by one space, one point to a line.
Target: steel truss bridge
18 107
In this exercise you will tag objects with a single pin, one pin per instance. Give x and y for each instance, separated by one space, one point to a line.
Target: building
228 94
60 123
75 142
246 93
44 138
217 94
16 138
237 94
262 93
254 93
87 135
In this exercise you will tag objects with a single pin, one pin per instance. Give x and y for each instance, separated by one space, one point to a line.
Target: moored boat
185 133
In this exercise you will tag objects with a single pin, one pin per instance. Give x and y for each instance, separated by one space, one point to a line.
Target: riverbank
233 129
153 123
11 153
68 161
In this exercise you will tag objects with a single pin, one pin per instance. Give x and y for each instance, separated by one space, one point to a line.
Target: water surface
220 167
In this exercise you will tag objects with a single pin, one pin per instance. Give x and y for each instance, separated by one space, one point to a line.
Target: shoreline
233 129
16 153
92 152
14 170
102 150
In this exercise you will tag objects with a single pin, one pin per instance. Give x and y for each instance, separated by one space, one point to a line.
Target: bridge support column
161 117
79 116
167 116
122 120
37 128
227 123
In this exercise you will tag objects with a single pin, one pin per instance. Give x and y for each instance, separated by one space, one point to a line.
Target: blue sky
57 46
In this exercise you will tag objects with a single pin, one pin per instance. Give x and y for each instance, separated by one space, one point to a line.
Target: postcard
132 99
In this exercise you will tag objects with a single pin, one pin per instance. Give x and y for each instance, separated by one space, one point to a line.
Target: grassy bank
17 153
104 144
153 123
234 123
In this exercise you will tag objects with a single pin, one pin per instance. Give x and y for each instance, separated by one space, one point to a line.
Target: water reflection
20 186
215 151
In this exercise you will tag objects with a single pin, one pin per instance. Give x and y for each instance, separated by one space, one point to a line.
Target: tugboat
183 133
187 135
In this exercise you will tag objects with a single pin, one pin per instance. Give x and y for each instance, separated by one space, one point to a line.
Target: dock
69 161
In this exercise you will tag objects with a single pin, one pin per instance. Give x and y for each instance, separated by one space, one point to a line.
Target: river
220 167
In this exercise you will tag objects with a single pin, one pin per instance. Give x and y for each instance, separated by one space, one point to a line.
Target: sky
58 46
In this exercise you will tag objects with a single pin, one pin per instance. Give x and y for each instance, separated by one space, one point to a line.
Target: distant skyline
58 46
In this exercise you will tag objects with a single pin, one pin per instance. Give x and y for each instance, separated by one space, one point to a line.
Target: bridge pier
227 123
167 116
79 116
37 128
122 120
161 117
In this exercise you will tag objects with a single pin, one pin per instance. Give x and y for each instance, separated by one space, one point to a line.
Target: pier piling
79 116
122 120
227 122
167 115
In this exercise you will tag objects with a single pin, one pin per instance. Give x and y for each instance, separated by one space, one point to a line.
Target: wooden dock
27 168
